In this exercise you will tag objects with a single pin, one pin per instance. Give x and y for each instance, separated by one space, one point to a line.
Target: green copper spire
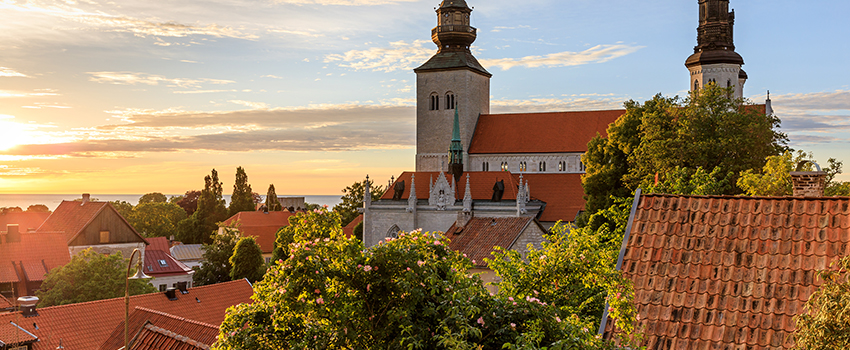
457 146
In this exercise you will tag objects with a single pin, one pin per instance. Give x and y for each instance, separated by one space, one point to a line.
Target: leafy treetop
247 260
241 199
272 202
352 200
153 197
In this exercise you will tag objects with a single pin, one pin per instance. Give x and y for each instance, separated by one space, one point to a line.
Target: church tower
714 59
451 81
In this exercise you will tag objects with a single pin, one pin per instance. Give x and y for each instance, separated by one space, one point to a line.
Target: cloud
186 92
813 118
342 2
134 78
596 54
550 104
255 105
500 28
399 56
35 93
9 72
296 32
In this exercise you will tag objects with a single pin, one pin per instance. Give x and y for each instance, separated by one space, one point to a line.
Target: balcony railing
454 28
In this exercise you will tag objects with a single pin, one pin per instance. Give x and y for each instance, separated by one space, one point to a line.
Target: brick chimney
86 198
808 183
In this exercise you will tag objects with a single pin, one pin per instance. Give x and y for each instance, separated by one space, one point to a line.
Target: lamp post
140 274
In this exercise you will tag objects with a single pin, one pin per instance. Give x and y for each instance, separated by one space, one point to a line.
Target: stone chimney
808 183
86 197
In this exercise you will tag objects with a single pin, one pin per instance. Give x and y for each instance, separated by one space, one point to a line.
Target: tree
352 199
706 129
123 208
685 181
774 179
156 219
211 208
6 210
89 276
247 260
824 323
412 292
272 203
38 208
153 197
188 201
241 199
216 267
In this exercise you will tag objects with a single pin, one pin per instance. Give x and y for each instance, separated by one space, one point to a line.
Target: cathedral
477 170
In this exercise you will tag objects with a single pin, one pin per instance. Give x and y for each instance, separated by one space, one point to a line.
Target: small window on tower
729 83
696 85
435 102
450 100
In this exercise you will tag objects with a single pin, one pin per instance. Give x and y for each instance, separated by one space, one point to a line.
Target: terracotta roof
9 272
262 225
12 334
480 235
158 243
160 263
187 252
88 325
729 272
348 230
151 337
71 217
26 221
141 317
35 250
5 303
556 132
480 183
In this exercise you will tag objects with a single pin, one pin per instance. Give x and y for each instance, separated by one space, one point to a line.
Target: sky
128 96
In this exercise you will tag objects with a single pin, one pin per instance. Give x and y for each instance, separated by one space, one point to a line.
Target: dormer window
435 102
162 263
450 100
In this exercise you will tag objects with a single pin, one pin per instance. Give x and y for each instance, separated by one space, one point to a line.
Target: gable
478 238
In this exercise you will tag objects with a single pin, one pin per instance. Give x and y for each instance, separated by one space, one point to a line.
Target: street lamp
140 274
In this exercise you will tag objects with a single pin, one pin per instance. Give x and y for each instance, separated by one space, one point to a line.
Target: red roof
480 235
158 243
480 183
729 272
262 225
348 230
12 334
5 303
159 263
26 221
168 326
71 217
88 325
35 250
151 337
556 132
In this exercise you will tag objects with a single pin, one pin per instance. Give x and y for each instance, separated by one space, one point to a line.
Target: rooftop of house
26 221
554 132
262 225
348 230
5 303
32 257
168 332
478 238
159 263
72 217
729 270
158 243
88 325
187 252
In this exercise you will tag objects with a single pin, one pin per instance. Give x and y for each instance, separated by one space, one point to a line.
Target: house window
162 263
104 236
729 83
435 102
163 287
268 260
450 100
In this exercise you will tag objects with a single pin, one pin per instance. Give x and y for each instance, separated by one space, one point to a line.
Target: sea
52 200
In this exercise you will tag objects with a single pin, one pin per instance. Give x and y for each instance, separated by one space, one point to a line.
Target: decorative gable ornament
442 193
411 199
522 197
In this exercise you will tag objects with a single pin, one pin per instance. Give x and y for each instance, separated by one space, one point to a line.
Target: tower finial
456 150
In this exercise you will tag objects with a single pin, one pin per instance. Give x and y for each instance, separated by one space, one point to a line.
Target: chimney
171 293
27 305
182 287
808 183
13 233
86 197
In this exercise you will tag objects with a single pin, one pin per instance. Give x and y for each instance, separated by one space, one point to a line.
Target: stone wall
532 160
720 73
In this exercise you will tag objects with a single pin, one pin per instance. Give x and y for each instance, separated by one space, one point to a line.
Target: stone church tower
714 59
451 80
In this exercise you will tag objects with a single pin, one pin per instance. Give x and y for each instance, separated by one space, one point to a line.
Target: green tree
688 181
211 209
89 276
413 292
156 219
188 201
247 260
707 130
774 179
241 199
38 208
824 323
272 203
153 197
123 208
352 200
216 267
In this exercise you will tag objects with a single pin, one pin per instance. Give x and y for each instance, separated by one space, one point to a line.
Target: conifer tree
247 260
211 209
241 199
272 203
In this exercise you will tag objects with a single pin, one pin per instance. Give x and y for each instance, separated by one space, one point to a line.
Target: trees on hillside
352 199
241 199
272 203
707 130
247 260
89 276
216 267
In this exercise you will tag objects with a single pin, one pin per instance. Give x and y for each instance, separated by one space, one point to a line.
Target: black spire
715 42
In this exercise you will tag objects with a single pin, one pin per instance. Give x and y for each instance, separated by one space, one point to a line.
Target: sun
13 134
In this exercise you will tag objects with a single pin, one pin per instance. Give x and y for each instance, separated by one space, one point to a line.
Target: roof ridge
742 196
182 319
175 336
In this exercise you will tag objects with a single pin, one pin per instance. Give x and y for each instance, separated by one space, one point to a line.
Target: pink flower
318 291
513 325
325 206
437 243
557 319
618 295
408 269
367 268
511 298
480 320
320 301
420 263
368 287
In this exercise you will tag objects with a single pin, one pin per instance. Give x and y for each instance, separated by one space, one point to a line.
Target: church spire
714 59
456 150
453 32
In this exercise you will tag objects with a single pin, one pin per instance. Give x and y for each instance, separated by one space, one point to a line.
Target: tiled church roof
726 272
481 234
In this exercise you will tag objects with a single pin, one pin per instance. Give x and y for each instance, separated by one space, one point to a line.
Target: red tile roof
480 183
154 266
26 221
71 217
151 337
556 132
140 317
12 334
480 235
35 250
88 325
5 303
158 243
348 230
262 225
729 272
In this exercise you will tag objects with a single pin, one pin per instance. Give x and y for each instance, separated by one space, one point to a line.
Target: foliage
241 199
38 208
706 130
358 231
153 197
123 208
189 201
272 202
216 266
352 200
211 210
413 292
89 276
6 210
247 260
156 219
824 325
774 179
687 181
301 227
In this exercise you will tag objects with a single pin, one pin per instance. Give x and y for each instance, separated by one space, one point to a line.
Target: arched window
696 85
561 166
485 166
504 166
541 166
523 166
728 82
393 231
435 102
450 100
